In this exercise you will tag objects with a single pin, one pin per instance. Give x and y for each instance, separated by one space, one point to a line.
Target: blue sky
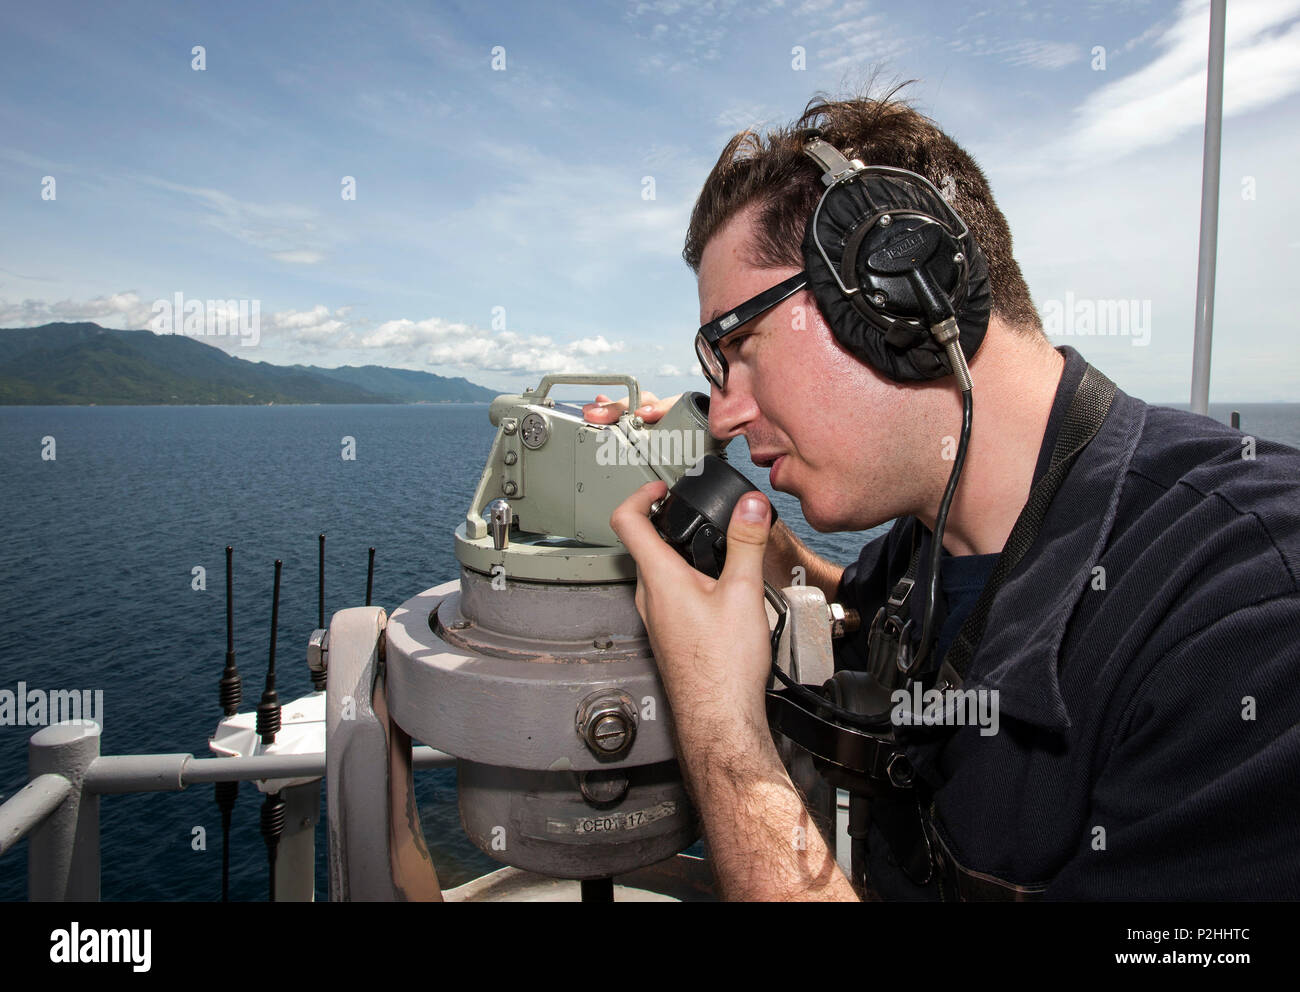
500 227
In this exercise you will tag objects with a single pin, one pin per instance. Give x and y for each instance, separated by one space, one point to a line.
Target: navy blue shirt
1146 654
961 580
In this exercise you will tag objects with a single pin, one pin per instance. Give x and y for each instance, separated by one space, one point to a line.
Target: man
1144 651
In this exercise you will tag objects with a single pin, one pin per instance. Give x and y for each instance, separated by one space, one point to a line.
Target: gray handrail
59 806
28 808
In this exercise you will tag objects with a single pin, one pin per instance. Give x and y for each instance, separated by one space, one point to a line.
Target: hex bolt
603 642
509 488
606 722
511 457
509 425
899 770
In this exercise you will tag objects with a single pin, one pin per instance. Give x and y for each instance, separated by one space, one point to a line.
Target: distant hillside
405 385
84 363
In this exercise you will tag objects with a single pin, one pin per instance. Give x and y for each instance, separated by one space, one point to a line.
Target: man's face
798 396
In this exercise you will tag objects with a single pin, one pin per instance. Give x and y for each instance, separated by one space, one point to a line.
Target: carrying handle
591 379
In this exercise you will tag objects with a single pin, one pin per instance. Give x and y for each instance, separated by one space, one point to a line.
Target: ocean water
96 574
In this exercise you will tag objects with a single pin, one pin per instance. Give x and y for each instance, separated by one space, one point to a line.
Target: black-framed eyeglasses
708 339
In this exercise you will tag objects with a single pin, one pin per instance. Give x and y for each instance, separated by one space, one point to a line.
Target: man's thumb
747 536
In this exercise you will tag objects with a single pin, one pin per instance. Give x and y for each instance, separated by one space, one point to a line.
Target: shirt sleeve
1197 797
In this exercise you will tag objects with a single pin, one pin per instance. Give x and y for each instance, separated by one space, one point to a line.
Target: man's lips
772 461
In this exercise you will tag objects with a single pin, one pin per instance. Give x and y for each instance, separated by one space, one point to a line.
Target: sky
501 190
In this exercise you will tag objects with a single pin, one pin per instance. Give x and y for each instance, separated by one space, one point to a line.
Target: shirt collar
1020 652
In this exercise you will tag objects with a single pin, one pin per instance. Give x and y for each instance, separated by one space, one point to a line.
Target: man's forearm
761 840
785 553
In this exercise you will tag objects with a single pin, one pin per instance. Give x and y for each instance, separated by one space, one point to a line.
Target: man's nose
730 409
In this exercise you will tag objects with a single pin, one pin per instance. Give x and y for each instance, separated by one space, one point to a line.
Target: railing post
295 861
63 852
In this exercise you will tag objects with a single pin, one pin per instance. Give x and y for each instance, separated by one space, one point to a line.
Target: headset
894 268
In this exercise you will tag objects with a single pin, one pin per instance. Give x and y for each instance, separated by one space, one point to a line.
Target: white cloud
695 32
1030 52
1166 98
594 346
298 256
435 341
121 311
314 326
857 38
286 232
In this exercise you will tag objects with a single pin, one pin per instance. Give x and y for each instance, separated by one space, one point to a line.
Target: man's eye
733 343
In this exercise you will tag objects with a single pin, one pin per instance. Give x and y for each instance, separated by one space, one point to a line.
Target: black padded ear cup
894 337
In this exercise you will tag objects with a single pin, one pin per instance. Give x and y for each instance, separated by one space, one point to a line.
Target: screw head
878 299
511 457
959 258
886 220
610 733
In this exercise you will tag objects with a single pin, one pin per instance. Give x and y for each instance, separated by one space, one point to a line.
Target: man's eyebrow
715 315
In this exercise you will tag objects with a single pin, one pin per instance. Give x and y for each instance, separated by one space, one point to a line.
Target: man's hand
710 637
605 411
712 644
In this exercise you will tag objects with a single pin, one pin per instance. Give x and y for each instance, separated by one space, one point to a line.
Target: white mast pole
1209 213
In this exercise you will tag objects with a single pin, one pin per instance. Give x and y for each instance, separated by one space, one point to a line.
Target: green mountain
84 363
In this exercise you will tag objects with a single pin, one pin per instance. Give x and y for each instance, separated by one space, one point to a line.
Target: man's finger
747 540
631 522
605 412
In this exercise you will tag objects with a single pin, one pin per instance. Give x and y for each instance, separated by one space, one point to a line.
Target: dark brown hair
772 172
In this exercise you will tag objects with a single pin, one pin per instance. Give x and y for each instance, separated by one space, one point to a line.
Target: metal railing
58 809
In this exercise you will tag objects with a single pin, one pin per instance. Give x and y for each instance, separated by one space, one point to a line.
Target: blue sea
96 572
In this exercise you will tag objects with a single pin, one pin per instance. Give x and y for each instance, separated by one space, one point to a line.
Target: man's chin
817 522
